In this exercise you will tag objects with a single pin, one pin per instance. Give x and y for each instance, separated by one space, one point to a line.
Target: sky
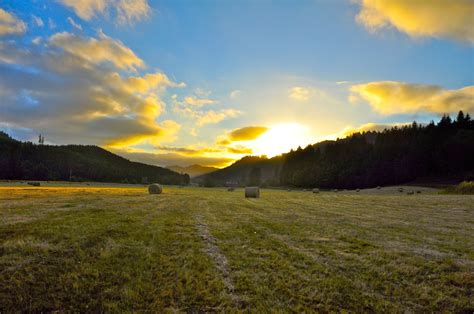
182 82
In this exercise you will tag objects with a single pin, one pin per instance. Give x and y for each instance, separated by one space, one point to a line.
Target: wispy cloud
37 21
235 94
300 93
190 107
124 11
74 24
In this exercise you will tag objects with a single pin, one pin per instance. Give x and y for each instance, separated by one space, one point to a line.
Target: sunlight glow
281 138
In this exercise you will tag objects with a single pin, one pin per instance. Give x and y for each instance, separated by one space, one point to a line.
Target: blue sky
316 68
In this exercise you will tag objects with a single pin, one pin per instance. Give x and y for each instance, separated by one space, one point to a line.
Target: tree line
29 161
393 156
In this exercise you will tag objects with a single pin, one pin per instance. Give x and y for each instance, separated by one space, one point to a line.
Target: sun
281 138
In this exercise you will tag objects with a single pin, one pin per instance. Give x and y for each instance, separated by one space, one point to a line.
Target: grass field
116 249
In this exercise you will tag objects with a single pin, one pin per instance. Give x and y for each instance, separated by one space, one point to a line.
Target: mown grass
120 249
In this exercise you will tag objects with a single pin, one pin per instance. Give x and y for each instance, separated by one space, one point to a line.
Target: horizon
173 83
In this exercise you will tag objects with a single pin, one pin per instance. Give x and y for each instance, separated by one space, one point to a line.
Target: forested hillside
394 156
28 161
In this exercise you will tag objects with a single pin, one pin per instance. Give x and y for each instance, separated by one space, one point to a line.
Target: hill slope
395 156
27 161
193 170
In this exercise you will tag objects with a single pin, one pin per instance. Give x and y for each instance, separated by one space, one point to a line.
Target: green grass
192 249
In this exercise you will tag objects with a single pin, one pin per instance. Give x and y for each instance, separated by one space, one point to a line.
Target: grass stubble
116 249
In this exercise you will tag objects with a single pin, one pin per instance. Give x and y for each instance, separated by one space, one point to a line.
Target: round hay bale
230 189
252 191
357 190
315 190
379 187
155 188
410 192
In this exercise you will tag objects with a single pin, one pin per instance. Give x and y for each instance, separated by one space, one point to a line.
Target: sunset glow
175 83
281 138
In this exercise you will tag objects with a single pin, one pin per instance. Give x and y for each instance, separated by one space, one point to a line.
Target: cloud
171 159
434 18
51 23
190 107
199 102
37 40
213 117
38 21
66 94
10 24
247 133
300 93
240 150
349 130
98 50
74 24
124 11
191 151
235 94
390 97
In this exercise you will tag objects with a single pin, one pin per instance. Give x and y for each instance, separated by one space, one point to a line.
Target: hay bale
335 190
230 189
155 188
400 190
34 183
379 187
315 190
410 192
357 190
252 191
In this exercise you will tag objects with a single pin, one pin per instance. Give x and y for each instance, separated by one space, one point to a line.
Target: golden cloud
421 18
194 101
213 117
79 99
300 93
173 158
98 50
247 133
239 150
10 24
390 97
126 11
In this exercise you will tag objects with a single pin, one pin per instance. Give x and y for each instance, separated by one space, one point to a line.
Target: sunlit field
117 248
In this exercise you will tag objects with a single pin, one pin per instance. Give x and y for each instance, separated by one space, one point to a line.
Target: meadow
112 248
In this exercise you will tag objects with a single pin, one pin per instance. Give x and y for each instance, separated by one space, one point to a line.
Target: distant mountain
394 156
28 161
193 170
